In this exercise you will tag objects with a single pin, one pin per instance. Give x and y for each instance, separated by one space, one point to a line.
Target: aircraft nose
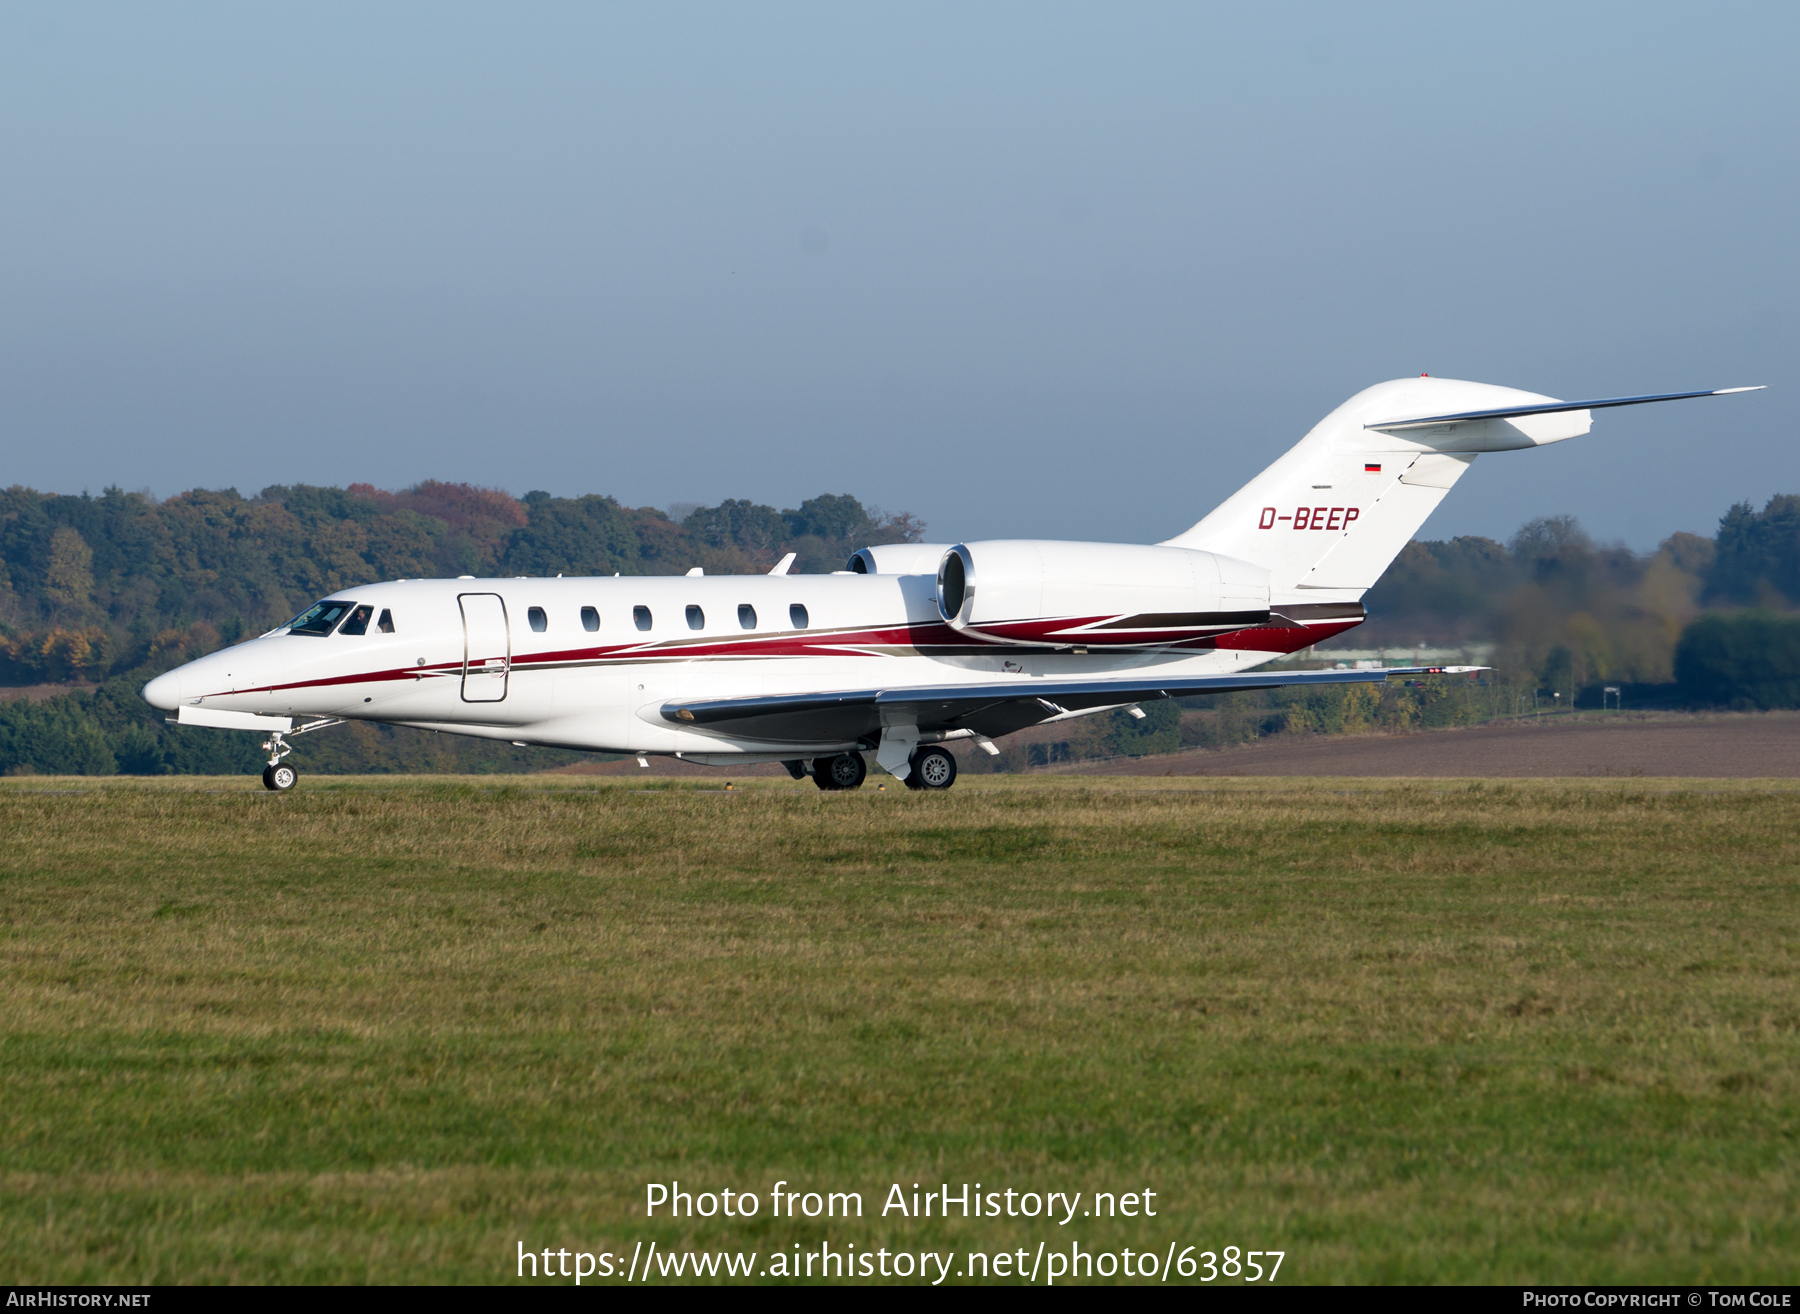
164 691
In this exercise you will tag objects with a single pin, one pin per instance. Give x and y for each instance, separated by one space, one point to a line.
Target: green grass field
387 1029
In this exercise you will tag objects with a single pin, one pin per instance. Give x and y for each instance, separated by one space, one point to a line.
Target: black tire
845 771
932 768
280 778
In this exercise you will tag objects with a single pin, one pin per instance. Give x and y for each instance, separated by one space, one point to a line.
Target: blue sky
1035 270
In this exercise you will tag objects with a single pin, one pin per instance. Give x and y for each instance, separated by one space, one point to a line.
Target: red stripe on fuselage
927 639
1285 639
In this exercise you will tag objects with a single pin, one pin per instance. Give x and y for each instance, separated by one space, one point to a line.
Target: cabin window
797 614
640 616
539 621
746 616
696 618
320 618
358 622
386 623
590 619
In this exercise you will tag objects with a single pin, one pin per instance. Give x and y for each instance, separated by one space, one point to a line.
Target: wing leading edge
996 709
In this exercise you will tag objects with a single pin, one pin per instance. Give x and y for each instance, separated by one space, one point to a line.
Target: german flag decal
1371 469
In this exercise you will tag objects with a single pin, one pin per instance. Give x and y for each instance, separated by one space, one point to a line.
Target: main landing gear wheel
845 771
932 768
280 777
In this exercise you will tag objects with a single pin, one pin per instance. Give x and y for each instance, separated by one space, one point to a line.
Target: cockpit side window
386 623
321 618
358 622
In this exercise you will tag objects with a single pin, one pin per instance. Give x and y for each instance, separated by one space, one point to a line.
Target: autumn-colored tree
69 576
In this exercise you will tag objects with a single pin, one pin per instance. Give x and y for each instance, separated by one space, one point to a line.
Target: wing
991 709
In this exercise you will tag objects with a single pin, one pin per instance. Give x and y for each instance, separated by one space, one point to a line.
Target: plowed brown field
1724 747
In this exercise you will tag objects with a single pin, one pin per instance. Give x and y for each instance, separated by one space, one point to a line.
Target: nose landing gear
278 775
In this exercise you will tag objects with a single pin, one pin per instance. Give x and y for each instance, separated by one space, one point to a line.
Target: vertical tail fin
1328 517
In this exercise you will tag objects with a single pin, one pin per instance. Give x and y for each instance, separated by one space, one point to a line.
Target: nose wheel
278 775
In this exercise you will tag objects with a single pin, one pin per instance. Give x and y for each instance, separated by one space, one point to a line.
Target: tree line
1698 623
105 592
91 586
1571 616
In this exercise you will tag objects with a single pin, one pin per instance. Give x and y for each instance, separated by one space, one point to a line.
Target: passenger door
487 648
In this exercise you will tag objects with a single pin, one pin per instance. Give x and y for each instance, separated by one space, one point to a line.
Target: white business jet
912 647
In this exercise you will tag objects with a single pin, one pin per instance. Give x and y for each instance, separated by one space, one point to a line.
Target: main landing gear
927 768
932 768
845 771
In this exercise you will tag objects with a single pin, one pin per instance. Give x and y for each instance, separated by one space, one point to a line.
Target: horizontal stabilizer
1552 408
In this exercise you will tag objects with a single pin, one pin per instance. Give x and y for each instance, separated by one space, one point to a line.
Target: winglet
781 567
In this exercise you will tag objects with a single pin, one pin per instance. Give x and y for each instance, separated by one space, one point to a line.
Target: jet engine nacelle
897 559
1038 592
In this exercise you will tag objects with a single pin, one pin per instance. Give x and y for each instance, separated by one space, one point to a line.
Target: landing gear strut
845 771
278 775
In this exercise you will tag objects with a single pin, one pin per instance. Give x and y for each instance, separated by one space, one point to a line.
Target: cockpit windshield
320 618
